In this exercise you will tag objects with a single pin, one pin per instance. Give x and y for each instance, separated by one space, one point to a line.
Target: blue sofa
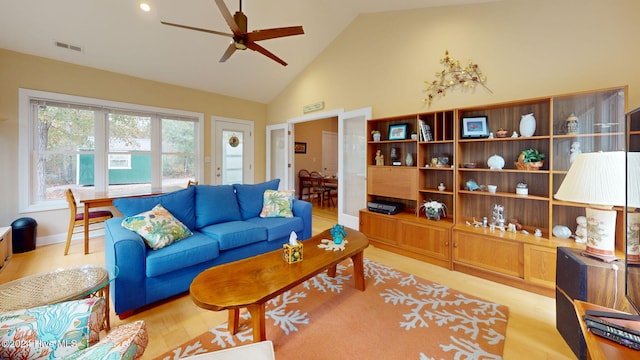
226 225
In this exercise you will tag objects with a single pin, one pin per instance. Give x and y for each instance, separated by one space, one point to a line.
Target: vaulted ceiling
115 35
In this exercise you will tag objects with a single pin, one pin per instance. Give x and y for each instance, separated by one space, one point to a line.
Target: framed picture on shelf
475 127
398 132
300 147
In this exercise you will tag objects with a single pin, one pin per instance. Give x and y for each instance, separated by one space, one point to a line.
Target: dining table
327 182
93 199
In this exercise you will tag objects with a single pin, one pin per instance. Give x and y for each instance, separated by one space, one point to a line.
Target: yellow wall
30 72
310 132
526 48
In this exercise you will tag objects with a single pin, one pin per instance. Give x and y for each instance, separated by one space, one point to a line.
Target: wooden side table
600 348
6 247
586 279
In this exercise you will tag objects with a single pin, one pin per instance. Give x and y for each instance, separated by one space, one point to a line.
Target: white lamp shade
596 178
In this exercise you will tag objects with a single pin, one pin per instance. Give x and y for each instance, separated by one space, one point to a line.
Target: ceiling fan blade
226 14
255 47
227 54
265 34
197 29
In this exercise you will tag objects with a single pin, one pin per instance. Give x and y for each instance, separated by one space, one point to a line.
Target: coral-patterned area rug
398 316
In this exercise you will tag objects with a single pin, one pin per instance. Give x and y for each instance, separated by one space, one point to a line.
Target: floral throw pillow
277 203
158 227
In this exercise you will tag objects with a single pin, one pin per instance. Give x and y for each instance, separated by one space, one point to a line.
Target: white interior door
277 155
352 165
329 153
232 149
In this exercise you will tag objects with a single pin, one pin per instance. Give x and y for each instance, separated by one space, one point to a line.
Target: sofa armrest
126 250
126 342
302 209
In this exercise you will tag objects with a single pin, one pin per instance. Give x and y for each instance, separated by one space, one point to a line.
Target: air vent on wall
63 45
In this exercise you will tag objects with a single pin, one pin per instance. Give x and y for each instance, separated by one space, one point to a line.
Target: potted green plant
433 209
376 135
530 159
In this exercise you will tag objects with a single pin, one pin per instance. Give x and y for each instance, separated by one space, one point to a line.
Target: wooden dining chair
76 220
319 188
304 183
192 182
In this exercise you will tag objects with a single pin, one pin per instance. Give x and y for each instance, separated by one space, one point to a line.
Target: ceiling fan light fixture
145 6
240 44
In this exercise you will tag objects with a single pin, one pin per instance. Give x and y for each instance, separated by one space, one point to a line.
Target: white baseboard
61 238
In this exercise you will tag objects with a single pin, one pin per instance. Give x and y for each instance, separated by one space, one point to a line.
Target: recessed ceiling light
145 6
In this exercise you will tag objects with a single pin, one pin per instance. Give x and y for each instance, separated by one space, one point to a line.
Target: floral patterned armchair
68 330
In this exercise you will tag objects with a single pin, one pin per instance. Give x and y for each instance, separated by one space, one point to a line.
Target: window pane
139 173
56 172
177 169
232 157
62 134
178 136
128 133
178 152
129 158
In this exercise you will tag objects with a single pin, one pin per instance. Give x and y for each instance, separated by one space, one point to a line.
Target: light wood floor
531 332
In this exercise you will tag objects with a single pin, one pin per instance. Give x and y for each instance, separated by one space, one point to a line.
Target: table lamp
598 180
633 206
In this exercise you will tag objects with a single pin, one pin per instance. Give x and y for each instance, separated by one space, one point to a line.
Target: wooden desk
599 347
95 199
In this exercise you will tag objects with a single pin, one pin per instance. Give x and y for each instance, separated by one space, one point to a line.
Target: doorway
351 159
330 153
232 149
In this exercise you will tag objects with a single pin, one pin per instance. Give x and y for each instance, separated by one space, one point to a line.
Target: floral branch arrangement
434 209
454 75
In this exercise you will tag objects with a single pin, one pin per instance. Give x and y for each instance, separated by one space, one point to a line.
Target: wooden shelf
520 256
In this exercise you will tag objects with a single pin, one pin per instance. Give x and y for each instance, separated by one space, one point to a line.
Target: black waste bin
24 234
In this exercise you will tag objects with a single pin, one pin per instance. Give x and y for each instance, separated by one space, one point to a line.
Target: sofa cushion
250 197
180 203
234 234
277 203
193 250
279 227
157 227
216 204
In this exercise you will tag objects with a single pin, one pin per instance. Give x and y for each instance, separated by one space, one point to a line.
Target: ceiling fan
243 39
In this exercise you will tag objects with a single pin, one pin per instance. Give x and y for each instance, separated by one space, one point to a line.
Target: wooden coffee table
251 282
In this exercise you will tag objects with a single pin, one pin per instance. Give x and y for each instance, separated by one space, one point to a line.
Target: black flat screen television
632 209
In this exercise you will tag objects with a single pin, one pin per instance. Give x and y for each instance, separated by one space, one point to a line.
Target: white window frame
26 129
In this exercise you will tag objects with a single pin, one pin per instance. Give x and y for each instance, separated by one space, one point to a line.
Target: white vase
495 162
527 125
409 160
